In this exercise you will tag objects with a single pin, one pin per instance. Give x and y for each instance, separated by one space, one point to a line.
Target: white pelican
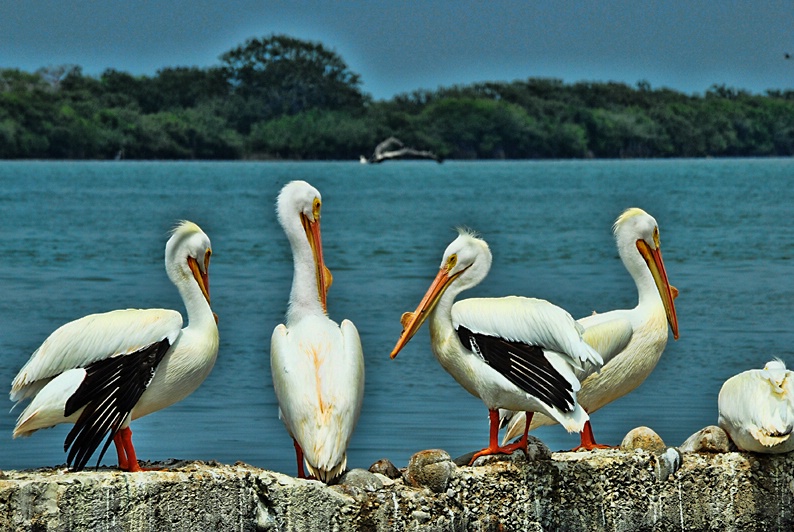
511 352
630 341
317 365
756 409
104 370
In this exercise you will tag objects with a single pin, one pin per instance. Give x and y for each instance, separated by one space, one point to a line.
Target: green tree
314 134
280 75
185 87
27 105
469 128
628 132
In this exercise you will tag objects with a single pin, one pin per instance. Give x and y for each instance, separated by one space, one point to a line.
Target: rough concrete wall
600 490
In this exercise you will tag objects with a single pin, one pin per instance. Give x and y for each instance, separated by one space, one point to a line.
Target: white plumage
317 365
631 341
511 352
104 370
756 409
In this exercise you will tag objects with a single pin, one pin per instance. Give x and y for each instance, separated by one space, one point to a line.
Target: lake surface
78 238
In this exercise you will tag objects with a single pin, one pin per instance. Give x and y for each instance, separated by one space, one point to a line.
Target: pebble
386 481
432 469
385 468
668 463
361 478
711 439
645 439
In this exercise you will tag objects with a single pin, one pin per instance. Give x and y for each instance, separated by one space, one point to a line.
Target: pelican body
631 341
102 371
317 365
511 352
756 409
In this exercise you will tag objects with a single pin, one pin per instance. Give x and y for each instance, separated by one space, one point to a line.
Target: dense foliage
280 97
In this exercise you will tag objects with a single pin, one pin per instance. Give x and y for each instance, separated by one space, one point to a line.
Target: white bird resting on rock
756 409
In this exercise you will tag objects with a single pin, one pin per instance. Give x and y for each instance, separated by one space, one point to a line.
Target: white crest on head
636 223
187 240
775 372
189 236
469 248
296 197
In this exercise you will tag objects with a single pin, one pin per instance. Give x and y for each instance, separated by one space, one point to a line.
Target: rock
603 491
643 438
464 459
668 463
361 478
431 469
711 439
386 481
385 468
516 458
537 449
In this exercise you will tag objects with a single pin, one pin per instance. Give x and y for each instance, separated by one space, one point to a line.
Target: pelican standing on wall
756 409
317 365
104 370
512 352
630 341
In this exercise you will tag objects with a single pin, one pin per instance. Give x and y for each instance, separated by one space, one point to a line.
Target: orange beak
201 275
324 277
653 258
412 321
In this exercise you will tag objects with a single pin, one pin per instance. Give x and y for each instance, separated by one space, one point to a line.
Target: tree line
284 98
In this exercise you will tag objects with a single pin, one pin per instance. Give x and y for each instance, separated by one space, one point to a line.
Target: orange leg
125 451
588 442
493 444
299 455
120 451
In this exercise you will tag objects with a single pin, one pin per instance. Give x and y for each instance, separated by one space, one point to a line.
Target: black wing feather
522 364
109 392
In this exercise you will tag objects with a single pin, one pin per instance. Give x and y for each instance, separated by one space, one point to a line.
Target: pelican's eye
316 208
656 237
452 261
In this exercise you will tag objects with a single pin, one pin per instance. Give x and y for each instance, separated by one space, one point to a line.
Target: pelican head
465 263
637 230
298 208
776 373
187 255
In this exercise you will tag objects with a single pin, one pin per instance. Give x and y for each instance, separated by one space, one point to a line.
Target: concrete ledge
599 490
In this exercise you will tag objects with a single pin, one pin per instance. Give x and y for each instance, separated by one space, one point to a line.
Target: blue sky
401 46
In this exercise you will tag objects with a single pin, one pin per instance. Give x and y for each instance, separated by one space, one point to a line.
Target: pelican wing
92 338
526 366
354 364
109 391
607 333
534 322
318 376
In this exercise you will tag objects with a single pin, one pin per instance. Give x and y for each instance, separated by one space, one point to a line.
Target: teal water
78 238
